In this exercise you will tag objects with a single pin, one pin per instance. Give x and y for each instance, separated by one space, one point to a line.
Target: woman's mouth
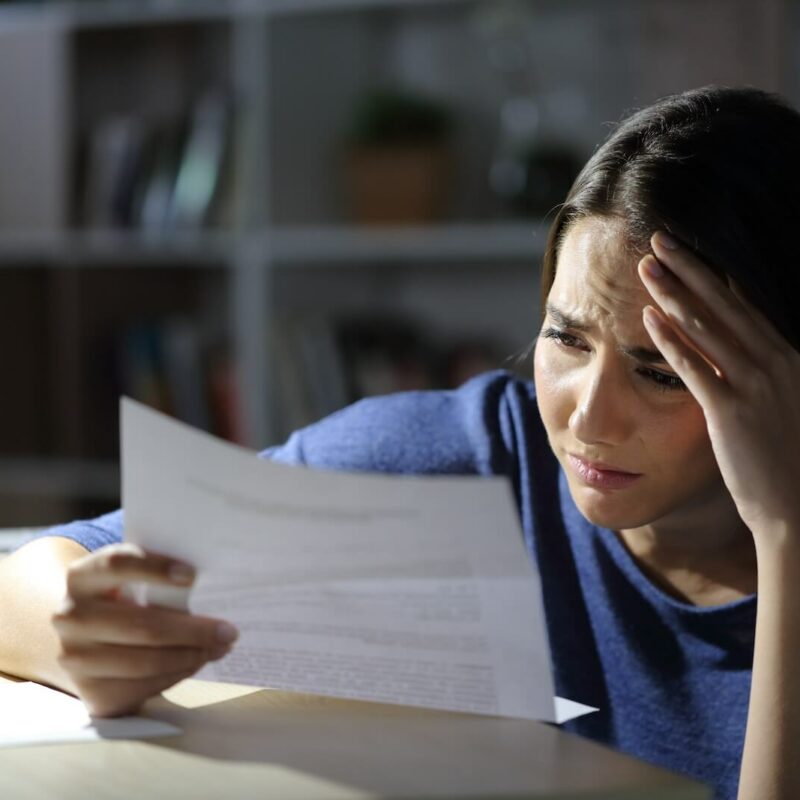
598 478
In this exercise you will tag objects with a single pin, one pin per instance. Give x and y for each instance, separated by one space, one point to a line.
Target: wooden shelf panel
334 244
114 248
457 242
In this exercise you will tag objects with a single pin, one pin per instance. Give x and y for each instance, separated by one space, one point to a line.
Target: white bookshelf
453 243
286 246
272 234
125 13
110 248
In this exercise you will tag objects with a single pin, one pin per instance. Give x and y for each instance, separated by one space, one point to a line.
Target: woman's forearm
771 757
32 585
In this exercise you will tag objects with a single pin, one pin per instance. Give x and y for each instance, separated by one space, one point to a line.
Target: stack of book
156 175
321 363
326 363
172 366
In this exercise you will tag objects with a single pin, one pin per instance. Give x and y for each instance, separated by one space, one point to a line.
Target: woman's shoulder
476 428
469 429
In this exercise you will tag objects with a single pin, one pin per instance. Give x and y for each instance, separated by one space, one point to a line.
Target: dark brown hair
720 169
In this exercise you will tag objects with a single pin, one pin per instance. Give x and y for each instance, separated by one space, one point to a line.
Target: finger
114 697
113 567
111 622
107 661
115 661
694 323
691 367
712 291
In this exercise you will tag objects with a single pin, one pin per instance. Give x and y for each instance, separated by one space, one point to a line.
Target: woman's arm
62 621
746 377
65 620
32 588
771 758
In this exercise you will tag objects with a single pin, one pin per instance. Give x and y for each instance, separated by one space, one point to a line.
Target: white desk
240 742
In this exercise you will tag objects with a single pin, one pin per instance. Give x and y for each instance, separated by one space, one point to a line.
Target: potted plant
398 158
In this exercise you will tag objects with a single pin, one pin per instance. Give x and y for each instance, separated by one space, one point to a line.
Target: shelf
334 244
116 248
190 45
454 242
124 13
55 477
286 7
86 14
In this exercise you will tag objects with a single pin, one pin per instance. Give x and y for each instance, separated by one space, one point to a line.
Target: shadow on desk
374 750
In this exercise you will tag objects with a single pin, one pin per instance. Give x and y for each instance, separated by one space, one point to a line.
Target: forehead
596 276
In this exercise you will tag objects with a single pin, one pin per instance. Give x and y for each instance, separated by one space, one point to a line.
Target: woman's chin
612 509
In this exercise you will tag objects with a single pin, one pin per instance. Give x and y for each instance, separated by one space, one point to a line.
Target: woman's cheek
549 377
678 426
683 433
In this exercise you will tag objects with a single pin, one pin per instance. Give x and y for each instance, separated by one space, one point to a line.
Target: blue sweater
671 680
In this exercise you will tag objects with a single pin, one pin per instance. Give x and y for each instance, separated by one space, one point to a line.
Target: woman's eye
662 380
560 336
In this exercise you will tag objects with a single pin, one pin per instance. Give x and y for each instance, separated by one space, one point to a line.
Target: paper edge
565 709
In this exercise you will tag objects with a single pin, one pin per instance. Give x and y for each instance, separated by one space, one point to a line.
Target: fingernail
181 573
653 268
665 240
651 317
226 633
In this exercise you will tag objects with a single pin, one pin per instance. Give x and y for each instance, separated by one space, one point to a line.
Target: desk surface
244 742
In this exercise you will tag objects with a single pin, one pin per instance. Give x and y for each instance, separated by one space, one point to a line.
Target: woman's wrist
777 550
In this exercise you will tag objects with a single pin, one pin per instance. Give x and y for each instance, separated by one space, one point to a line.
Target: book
115 151
156 195
141 367
201 164
323 365
185 375
384 354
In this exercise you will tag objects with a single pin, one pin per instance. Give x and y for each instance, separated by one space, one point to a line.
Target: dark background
179 217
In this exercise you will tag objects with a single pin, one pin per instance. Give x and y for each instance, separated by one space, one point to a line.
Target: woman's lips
601 478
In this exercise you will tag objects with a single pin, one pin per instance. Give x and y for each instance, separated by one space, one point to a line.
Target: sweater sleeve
457 431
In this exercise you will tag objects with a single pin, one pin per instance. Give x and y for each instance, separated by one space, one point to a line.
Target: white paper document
34 714
396 589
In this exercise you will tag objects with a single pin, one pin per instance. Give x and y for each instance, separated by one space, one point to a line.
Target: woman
653 465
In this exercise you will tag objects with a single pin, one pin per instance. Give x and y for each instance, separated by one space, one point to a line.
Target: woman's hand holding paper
119 653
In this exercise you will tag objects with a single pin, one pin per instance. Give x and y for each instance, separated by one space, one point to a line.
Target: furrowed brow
644 355
565 320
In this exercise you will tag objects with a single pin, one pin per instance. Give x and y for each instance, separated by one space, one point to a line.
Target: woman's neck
706 558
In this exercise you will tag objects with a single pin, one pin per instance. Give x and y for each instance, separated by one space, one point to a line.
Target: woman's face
605 395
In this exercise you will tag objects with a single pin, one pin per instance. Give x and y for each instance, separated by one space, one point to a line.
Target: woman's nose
603 413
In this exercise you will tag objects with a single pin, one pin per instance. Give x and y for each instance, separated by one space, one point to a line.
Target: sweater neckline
627 564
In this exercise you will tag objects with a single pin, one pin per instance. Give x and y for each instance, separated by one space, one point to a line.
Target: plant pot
399 184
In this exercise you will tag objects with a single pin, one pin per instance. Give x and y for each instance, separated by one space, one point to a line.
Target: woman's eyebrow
565 320
645 355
